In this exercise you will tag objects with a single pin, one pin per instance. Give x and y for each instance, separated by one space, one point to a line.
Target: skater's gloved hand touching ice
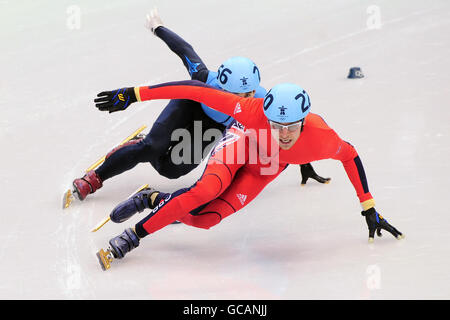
376 222
153 21
116 100
307 172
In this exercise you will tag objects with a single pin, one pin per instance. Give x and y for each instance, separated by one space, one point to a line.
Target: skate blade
105 259
67 198
101 224
107 219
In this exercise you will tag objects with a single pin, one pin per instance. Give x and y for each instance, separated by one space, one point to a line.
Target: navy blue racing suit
158 147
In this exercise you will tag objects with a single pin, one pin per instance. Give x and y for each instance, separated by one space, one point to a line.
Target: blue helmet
238 75
286 103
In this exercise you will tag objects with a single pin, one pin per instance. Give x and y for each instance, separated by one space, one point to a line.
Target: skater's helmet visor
291 127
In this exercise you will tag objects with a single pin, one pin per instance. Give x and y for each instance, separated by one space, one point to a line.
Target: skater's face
286 133
249 94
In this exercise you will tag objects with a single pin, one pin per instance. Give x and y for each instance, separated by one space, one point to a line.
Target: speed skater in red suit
269 134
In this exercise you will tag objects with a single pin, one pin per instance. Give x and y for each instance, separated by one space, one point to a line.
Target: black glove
116 100
376 222
307 172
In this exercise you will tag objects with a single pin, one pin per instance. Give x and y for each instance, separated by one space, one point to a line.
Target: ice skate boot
90 183
119 247
144 199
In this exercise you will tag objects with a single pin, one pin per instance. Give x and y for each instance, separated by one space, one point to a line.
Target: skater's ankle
98 173
152 198
134 230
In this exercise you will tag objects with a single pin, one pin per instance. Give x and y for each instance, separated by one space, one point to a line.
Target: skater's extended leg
117 161
215 180
166 209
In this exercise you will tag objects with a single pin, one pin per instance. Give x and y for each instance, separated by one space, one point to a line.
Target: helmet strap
303 122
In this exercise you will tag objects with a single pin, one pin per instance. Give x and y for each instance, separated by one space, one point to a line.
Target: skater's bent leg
124 159
172 207
246 185
214 181
176 117
196 142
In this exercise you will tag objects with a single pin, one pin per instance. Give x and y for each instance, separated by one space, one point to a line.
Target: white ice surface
291 242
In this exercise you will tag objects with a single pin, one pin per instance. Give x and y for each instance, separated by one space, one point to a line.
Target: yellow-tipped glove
116 100
376 222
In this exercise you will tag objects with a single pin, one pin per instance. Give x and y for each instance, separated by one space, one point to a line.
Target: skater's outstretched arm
326 144
247 111
193 63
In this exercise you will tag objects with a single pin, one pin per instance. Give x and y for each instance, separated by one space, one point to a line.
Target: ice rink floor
292 242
